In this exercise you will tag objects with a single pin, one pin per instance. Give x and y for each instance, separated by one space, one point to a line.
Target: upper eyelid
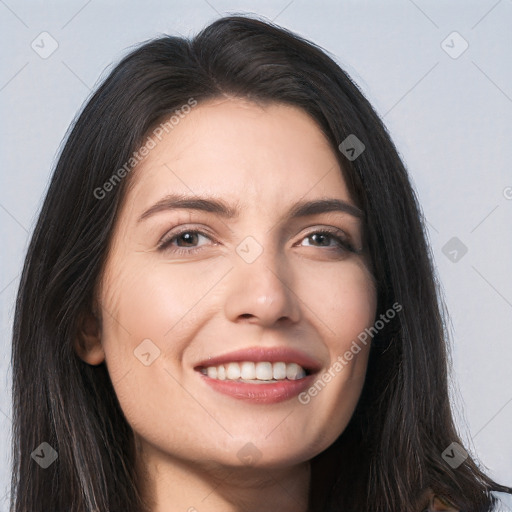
193 227
310 211
176 231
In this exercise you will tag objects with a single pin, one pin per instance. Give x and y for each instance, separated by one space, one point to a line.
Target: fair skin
304 291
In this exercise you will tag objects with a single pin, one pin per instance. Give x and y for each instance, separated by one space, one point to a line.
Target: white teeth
232 371
264 371
279 371
294 371
250 371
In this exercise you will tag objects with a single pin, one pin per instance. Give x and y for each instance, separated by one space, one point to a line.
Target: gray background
450 114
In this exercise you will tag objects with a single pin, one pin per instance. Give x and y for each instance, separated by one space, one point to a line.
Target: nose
262 292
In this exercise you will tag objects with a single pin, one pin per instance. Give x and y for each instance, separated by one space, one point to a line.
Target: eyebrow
222 209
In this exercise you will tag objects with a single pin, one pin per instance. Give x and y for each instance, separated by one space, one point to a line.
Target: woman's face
185 285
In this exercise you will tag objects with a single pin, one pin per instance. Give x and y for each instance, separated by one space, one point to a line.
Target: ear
88 340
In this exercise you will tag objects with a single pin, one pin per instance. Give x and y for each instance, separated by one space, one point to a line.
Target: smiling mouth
260 372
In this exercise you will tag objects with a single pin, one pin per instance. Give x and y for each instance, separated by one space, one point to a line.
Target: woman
228 302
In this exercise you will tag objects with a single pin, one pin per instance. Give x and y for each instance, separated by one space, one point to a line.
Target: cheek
147 309
357 303
153 301
353 310
344 299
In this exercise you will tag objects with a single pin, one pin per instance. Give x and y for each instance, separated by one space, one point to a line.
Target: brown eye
188 237
324 238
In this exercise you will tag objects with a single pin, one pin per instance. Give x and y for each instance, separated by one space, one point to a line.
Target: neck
170 484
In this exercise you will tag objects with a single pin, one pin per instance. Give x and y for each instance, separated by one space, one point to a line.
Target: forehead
270 155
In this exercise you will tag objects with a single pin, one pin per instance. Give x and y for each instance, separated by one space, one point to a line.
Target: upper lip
270 354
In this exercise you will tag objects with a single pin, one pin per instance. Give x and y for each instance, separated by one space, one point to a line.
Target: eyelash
337 235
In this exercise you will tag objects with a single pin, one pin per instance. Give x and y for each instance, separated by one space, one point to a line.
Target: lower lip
270 393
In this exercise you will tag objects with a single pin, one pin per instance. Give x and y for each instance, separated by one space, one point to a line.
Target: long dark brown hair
391 451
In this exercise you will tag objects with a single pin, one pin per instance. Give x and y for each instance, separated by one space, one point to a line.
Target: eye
186 241
188 237
325 236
